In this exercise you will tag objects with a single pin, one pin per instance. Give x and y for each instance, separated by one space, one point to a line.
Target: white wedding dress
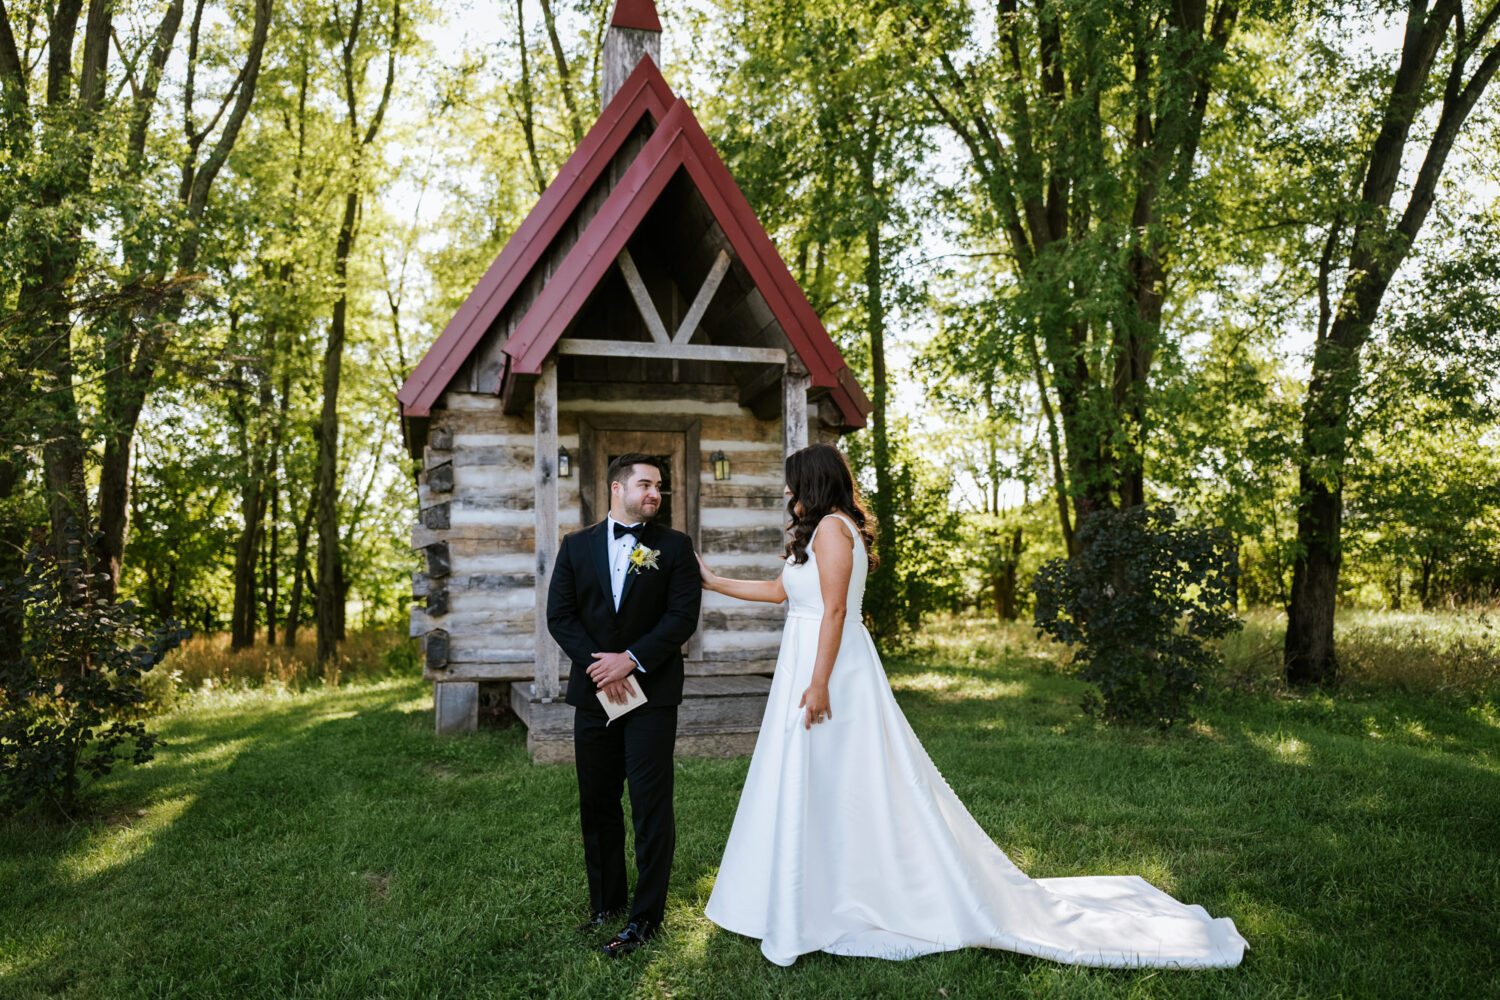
847 839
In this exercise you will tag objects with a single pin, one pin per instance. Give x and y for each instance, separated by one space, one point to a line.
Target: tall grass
1429 653
1444 653
206 663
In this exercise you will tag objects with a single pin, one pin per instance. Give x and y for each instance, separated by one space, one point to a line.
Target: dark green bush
69 702
1141 601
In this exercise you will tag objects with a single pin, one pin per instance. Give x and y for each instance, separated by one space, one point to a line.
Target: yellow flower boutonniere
642 558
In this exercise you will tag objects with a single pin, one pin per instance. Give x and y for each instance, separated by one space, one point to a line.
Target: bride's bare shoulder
836 518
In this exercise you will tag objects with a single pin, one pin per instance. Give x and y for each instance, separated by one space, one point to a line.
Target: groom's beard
640 512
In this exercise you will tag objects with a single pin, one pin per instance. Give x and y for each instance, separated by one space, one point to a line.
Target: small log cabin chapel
639 307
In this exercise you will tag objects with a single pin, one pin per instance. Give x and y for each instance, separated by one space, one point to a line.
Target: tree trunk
128 382
12 547
1375 252
1006 605
259 469
885 542
330 556
1309 651
564 76
332 589
246 555
527 114
62 448
299 571
272 564
1234 581
1054 450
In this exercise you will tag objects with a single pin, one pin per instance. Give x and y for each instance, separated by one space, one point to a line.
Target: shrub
70 701
1141 601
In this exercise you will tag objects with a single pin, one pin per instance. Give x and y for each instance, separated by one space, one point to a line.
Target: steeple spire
634 31
636 14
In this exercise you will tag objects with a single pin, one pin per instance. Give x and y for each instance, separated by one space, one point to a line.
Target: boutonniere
642 558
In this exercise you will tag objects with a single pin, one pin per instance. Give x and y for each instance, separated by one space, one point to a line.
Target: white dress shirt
619 550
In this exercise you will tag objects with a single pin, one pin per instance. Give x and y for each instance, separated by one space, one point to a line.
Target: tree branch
1450 121
562 71
145 98
61 27
390 76
248 77
12 72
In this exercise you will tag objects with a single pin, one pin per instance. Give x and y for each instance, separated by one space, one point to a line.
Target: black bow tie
628 529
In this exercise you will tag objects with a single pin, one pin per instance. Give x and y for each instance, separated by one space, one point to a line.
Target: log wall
476 526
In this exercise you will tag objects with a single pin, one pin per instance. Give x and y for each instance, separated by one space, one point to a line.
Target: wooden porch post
794 405
545 462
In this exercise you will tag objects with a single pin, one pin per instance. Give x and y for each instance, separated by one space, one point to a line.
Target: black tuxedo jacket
658 611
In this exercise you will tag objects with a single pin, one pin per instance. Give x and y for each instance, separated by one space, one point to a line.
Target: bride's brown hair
820 481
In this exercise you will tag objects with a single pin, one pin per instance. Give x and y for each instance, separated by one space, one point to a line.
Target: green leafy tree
823 129
1408 110
1423 479
1082 125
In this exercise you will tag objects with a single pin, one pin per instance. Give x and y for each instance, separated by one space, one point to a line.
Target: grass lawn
326 844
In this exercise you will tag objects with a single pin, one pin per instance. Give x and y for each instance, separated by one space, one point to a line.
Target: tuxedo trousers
635 749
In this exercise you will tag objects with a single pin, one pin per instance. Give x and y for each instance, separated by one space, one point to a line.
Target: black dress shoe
631 937
597 920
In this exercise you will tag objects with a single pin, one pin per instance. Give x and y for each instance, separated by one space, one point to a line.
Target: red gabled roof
679 143
636 14
645 92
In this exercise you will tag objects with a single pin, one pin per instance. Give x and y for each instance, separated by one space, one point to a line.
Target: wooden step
719 717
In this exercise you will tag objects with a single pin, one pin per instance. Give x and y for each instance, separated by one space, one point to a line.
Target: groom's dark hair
619 469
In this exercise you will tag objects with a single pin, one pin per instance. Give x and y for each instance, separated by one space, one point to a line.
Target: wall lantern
564 464
721 466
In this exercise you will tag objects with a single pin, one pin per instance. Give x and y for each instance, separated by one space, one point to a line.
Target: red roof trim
644 92
636 14
679 141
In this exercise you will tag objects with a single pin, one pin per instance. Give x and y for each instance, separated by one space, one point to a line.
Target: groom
623 600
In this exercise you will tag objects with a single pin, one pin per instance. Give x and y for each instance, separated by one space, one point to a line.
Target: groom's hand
619 692
608 668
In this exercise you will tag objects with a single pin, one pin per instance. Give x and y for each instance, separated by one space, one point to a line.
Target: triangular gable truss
678 143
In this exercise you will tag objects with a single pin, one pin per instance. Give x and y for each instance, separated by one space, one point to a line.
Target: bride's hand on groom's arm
768 591
707 574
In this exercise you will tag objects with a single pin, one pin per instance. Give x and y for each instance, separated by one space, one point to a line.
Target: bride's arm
768 591
834 548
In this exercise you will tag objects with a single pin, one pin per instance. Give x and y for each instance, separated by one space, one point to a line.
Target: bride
847 839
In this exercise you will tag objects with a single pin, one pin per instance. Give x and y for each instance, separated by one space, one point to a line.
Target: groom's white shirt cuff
638 667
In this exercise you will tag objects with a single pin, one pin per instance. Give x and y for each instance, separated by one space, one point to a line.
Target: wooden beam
642 298
759 384
545 462
671 351
794 406
702 299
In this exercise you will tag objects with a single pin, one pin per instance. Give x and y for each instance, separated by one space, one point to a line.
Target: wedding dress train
847 839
